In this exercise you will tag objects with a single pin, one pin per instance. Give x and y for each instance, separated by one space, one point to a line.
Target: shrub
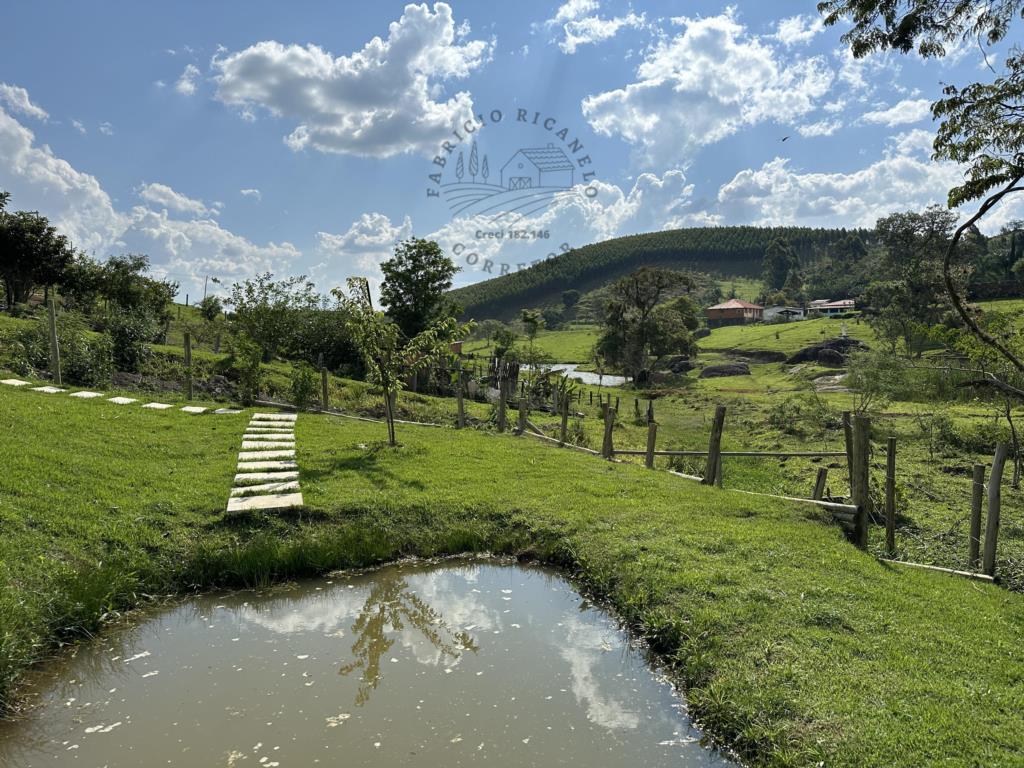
85 357
802 415
130 331
249 363
304 386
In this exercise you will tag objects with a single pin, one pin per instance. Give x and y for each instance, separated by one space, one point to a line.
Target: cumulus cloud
106 129
185 247
901 113
78 125
165 197
186 84
17 100
253 193
580 25
819 128
369 241
702 86
387 98
798 30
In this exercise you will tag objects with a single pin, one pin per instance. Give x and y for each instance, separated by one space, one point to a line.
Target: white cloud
253 193
580 25
798 30
369 241
702 86
386 99
16 98
186 84
820 128
78 125
165 197
901 113
106 129
185 249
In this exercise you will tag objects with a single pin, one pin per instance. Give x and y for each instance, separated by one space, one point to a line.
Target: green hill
732 251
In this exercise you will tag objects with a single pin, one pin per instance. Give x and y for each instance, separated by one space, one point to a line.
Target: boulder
841 346
831 358
762 355
725 369
676 364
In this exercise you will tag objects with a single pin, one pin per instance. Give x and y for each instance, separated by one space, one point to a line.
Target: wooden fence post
861 499
188 365
522 415
995 481
714 447
616 401
848 437
591 397
977 494
650 411
461 417
636 408
607 448
819 484
325 390
652 436
565 421
54 344
890 498
502 393
718 471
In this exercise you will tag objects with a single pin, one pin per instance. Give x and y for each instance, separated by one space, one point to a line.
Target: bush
129 333
249 363
85 358
802 415
304 386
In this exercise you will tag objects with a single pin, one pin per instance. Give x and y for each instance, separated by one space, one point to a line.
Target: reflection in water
252 678
389 608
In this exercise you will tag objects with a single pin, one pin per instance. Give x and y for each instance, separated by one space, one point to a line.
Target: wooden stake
977 495
995 481
522 415
819 484
652 436
54 344
714 446
324 389
890 498
188 365
718 471
565 422
861 500
502 392
607 448
848 437
461 422
650 410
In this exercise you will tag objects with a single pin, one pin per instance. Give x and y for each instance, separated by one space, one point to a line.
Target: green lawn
784 337
568 346
796 648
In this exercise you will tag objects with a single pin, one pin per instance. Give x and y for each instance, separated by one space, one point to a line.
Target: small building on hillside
538 167
734 312
829 308
782 314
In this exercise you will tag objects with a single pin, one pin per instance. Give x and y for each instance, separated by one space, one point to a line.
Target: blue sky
230 138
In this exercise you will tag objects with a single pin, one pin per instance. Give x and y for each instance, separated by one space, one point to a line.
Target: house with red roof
734 312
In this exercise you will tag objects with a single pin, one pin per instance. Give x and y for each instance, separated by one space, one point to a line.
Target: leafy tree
416 280
388 356
269 311
210 308
570 298
779 260
982 123
503 340
127 288
32 253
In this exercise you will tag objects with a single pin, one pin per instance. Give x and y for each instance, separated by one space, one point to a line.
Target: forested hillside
730 251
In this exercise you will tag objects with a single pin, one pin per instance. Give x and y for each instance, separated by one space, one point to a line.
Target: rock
762 355
841 346
831 358
725 369
701 333
676 364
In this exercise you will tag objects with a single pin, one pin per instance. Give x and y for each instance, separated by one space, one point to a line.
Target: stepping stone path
87 395
268 477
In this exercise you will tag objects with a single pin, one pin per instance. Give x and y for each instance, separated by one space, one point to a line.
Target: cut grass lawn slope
795 647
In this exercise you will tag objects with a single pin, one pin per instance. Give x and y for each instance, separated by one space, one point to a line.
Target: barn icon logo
528 182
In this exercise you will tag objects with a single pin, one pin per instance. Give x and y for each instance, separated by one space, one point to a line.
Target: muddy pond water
440 664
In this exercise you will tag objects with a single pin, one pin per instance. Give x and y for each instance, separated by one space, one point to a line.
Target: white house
538 167
828 308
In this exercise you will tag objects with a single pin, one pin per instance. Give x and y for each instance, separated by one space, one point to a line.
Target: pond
440 664
587 377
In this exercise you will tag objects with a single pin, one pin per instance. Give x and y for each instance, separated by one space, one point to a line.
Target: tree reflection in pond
390 608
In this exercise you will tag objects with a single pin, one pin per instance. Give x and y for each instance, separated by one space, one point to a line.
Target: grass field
568 346
795 648
784 337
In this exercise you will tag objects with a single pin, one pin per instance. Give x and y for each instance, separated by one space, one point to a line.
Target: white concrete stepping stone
271 437
273 501
250 478
266 446
274 416
249 466
48 390
158 406
271 430
194 409
245 490
121 400
258 455
86 395
223 411
14 382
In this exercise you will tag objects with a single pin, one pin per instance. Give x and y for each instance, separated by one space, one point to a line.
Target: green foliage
248 362
415 281
875 376
269 311
305 386
86 358
779 260
129 332
732 250
210 308
32 253
803 415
